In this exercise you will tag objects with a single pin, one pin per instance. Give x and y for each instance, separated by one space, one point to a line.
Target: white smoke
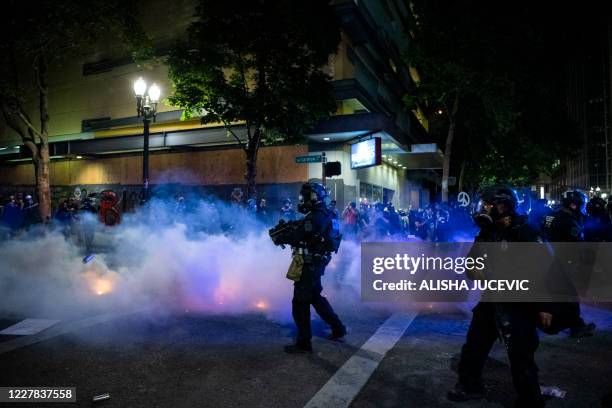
209 257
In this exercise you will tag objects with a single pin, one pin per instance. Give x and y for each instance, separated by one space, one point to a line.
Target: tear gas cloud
210 257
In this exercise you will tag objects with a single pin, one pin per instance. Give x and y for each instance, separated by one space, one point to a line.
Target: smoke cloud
206 256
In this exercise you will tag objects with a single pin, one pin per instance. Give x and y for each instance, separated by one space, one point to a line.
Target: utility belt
311 257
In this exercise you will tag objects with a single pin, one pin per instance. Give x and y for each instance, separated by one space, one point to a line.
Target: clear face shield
484 207
305 201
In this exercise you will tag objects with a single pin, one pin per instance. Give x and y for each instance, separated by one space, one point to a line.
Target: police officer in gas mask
515 323
567 225
597 226
316 237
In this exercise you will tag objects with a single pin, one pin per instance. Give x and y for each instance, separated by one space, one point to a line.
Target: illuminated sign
424 148
366 153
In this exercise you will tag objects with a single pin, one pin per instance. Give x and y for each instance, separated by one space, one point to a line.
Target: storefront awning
398 149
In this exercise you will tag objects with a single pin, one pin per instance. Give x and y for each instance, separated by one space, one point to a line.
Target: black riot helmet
502 195
596 207
311 194
575 197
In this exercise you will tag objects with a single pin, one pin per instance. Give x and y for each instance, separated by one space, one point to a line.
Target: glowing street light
146 107
154 93
140 87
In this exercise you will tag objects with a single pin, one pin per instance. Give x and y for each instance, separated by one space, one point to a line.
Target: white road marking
344 386
60 329
29 327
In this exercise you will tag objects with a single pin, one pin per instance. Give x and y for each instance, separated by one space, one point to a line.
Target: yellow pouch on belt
295 269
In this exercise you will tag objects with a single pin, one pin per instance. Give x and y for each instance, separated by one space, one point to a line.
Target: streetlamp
146 107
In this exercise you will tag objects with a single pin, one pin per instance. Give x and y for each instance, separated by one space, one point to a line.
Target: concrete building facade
96 138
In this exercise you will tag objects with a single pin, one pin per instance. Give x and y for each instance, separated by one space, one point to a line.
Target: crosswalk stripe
60 329
345 384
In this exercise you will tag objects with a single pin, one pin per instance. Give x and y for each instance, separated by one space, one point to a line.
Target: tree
44 33
452 48
257 63
491 80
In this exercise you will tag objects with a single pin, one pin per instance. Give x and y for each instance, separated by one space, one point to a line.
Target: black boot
299 348
460 393
337 333
585 330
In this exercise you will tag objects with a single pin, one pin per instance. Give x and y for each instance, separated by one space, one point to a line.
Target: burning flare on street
100 284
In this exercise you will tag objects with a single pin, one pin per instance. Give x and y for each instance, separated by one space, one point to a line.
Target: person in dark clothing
597 226
262 210
316 237
31 213
421 225
393 219
332 208
538 214
379 221
88 220
287 212
65 212
12 216
499 222
567 225
251 206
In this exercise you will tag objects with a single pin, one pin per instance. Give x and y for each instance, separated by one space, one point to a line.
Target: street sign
463 199
308 159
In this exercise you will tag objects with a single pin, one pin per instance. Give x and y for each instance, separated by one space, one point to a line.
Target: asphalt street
188 360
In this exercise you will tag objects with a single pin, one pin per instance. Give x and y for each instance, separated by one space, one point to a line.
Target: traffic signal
333 169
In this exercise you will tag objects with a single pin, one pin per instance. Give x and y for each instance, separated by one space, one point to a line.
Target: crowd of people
498 217
75 217
18 212
437 222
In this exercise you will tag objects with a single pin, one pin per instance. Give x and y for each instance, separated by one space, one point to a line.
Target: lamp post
146 107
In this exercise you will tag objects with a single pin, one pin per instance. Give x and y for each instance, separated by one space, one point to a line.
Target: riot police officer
567 225
537 216
31 213
500 222
597 226
317 236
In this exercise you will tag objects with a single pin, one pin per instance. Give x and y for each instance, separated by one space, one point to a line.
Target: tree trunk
43 187
448 149
251 151
43 183
251 173
461 176
34 139
446 162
